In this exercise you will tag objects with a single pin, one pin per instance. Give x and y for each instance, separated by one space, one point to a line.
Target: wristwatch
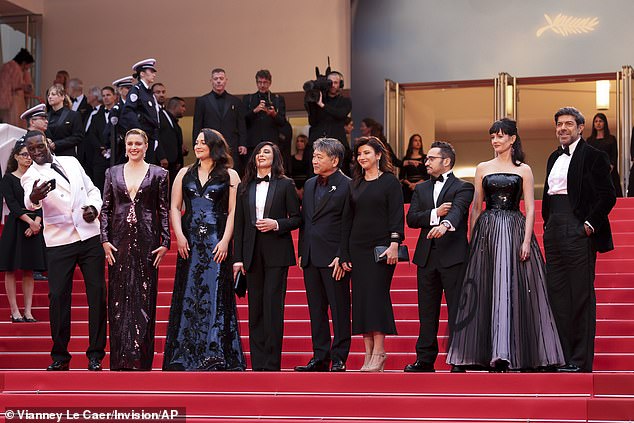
446 224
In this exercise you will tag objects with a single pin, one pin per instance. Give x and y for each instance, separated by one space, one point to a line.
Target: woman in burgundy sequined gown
135 236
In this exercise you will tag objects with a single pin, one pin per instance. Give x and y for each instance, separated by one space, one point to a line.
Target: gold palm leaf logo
566 25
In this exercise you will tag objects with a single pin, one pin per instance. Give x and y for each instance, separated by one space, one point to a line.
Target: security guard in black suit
122 86
141 111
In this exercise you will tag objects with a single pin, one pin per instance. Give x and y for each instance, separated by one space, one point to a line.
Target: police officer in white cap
141 111
36 118
122 87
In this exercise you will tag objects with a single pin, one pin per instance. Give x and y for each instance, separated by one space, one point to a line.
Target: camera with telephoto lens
321 83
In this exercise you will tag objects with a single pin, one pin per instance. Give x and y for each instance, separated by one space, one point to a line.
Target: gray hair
96 93
75 83
331 147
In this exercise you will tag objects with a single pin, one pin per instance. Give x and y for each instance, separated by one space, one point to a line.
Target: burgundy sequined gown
135 228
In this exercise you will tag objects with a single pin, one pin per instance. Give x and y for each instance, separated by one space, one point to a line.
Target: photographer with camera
327 111
265 113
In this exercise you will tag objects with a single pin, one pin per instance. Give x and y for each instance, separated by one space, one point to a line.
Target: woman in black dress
65 129
135 236
377 209
601 139
300 164
22 244
413 171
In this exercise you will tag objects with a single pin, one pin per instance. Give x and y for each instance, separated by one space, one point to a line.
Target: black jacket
453 246
590 192
229 121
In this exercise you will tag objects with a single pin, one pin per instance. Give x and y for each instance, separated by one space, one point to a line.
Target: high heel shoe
17 319
378 362
366 363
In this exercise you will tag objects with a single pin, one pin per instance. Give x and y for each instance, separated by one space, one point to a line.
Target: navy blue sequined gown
203 332
504 317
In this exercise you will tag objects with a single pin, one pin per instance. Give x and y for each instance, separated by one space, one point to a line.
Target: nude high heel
378 362
366 363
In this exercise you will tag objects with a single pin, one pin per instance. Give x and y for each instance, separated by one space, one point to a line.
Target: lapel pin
333 188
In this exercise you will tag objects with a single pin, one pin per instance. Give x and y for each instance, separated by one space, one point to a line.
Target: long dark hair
385 163
218 153
277 167
509 127
606 127
410 145
12 163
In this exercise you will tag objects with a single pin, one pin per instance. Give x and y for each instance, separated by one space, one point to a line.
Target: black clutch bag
403 253
240 285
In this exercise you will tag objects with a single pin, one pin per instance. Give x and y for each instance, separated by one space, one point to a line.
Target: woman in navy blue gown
203 333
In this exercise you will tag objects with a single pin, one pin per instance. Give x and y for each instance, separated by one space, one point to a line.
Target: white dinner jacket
62 208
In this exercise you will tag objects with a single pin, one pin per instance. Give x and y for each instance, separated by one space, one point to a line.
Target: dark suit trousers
432 280
267 291
323 290
62 260
570 267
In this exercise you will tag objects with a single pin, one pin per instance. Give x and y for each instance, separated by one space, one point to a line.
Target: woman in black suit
65 128
267 211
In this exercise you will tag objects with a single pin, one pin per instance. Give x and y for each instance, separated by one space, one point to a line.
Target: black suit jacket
453 246
84 109
229 121
66 131
282 204
260 126
325 226
590 192
170 137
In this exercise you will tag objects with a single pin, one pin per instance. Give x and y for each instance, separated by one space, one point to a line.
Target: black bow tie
73 99
322 181
563 150
438 179
265 179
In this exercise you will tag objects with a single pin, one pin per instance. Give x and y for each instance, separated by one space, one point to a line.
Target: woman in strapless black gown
504 320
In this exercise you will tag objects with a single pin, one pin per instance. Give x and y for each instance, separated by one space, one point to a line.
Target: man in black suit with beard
223 112
326 224
440 207
578 196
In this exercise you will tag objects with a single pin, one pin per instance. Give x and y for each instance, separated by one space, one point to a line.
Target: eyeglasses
431 158
24 155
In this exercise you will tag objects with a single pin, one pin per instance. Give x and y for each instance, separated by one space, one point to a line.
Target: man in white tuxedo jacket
70 204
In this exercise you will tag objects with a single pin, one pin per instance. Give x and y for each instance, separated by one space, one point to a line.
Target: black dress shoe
58 365
419 366
94 365
314 366
569 368
458 369
338 366
38 276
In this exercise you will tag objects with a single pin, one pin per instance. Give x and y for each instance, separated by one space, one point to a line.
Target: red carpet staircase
606 395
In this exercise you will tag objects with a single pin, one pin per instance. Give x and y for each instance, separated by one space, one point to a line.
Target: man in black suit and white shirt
440 207
223 112
70 206
326 224
578 196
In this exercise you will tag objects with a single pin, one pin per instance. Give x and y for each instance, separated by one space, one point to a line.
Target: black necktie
59 170
564 150
265 179
322 181
438 179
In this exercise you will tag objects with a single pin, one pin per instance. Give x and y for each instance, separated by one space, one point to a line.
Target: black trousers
570 271
322 290
432 280
62 260
266 286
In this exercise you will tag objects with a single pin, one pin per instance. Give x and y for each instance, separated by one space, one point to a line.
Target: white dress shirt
558 176
261 190
434 219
